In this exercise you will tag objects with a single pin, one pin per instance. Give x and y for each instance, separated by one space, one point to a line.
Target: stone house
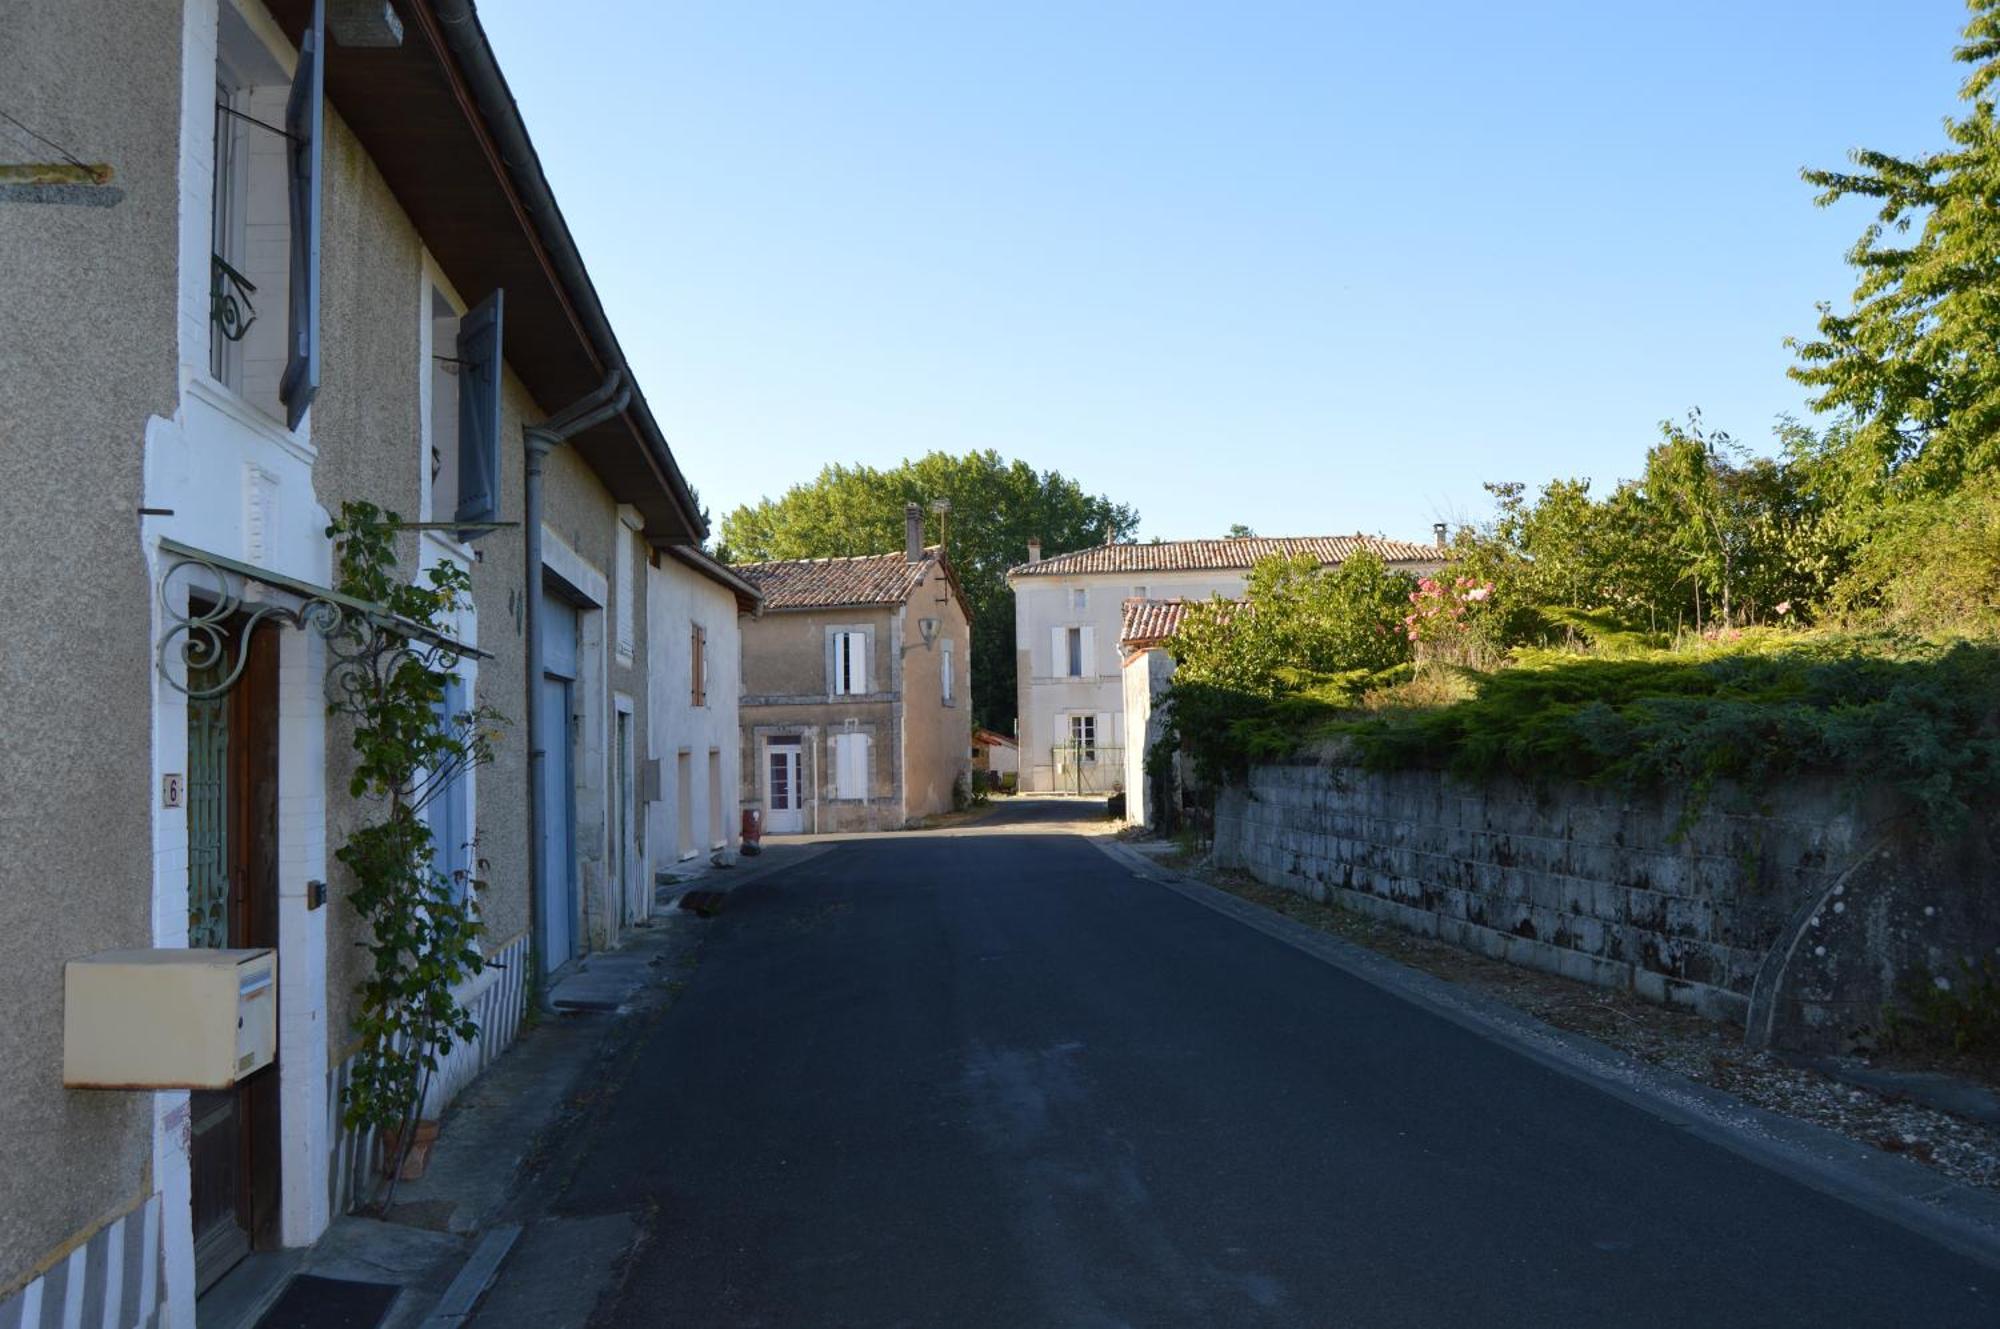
1069 617
857 712
276 261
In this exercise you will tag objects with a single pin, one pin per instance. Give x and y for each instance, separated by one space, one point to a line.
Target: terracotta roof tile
827 583
1222 555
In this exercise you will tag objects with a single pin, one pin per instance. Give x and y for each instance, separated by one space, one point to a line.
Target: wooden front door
232 811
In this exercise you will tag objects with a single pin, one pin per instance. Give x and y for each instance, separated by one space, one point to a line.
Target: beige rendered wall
786 690
367 425
937 738
87 341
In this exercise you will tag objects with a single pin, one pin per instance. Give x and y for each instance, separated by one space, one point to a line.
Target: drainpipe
541 439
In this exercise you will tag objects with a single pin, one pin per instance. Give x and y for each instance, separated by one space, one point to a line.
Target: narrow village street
992 1076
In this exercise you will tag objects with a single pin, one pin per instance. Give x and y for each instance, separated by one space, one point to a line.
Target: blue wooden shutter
303 114
479 414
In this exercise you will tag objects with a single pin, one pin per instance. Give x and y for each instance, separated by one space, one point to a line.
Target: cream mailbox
168 1019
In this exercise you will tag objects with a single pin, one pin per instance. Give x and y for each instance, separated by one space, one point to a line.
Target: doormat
705 903
312 1302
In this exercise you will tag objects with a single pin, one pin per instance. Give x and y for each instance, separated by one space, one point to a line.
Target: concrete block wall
1735 904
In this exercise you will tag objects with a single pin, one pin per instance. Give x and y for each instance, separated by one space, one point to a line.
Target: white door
782 794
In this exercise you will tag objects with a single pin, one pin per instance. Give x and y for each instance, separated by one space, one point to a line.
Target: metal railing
1087 768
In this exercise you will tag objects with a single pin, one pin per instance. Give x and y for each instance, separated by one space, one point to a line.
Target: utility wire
67 155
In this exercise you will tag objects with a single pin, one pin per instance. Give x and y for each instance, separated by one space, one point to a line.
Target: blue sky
1316 268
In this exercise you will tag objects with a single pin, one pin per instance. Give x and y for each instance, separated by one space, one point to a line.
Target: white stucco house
1068 620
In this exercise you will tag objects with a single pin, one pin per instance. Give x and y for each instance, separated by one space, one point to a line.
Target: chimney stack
1034 551
913 532
1437 529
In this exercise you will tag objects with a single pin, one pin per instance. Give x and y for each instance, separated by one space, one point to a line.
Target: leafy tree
1304 641
1238 531
1913 365
997 506
1297 620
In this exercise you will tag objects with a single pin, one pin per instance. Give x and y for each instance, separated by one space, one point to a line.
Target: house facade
274 263
1068 618
856 710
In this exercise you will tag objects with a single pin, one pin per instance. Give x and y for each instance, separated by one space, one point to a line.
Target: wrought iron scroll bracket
210 621
229 293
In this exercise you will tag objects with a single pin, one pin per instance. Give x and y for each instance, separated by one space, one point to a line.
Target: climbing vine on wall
422 927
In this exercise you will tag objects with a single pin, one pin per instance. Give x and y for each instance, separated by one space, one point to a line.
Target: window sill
225 400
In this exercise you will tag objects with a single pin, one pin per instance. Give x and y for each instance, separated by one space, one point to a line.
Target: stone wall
1799 913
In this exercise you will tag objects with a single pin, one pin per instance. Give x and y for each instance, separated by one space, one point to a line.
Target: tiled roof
827 583
1150 622
1222 555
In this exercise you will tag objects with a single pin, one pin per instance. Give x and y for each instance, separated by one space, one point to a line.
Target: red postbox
753 831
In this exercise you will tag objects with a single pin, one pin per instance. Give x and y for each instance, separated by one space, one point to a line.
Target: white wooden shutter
860 657
850 766
1089 655
1104 739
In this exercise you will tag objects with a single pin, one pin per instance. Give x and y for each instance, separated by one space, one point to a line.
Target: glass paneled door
784 797
232 818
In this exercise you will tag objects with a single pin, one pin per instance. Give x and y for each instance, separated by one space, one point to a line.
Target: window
850 663
1083 737
1138 592
444 367
1079 599
1073 653
462 465
263 280
945 680
850 766
698 665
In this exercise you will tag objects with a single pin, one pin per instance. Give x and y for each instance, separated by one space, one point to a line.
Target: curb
1962 1218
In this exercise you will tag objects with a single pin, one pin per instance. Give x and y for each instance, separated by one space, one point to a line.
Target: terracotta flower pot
420 1150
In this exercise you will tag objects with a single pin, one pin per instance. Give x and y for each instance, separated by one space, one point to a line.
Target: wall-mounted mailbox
168 1019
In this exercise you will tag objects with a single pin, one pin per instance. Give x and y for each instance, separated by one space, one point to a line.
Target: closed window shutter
840 665
1089 654
303 115
1104 738
479 360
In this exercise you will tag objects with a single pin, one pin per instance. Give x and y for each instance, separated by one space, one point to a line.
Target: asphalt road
991 1079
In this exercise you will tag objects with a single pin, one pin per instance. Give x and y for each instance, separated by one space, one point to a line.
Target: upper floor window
947 683
1138 592
850 663
1079 599
264 225
442 315
463 465
698 665
1072 652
